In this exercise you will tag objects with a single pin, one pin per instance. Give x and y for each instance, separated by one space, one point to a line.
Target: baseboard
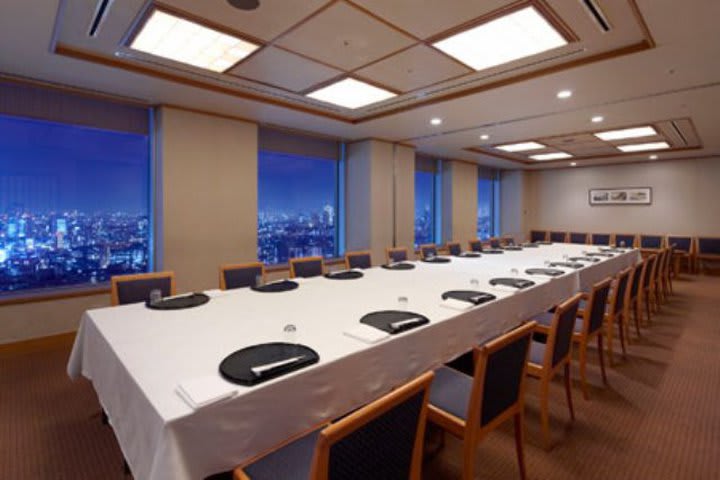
53 342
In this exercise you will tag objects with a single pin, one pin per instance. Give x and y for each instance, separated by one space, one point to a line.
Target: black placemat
584 259
518 283
512 248
469 255
436 260
493 251
179 303
384 318
282 286
237 367
345 275
399 266
567 264
599 254
471 296
550 272
530 245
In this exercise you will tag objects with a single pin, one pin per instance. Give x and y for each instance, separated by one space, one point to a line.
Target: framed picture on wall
620 196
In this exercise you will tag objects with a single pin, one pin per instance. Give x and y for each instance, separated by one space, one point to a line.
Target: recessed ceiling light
520 147
436 121
484 136
643 147
653 157
175 38
573 164
597 119
551 156
564 94
520 34
351 93
634 132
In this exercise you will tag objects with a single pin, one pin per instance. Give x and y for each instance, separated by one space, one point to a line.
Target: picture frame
620 196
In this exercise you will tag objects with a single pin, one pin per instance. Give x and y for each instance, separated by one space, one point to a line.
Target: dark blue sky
423 191
48 166
295 184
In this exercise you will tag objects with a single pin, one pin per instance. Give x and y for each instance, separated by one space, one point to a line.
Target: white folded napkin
366 334
203 391
456 304
505 288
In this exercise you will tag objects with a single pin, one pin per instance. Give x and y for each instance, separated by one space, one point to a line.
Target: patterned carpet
659 419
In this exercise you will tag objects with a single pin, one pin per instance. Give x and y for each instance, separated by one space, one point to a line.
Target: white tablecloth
136 357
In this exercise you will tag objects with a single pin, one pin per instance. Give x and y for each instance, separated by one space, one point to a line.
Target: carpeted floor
659 419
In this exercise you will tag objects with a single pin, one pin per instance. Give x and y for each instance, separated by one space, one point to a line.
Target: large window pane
297 206
74 204
424 207
486 196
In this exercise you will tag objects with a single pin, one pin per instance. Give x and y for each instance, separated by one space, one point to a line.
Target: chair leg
621 331
609 334
602 357
519 443
583 366
647 309
544 414
636 315
568 391
469 450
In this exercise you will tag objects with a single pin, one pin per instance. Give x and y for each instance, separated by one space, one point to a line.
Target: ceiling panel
278 67
345 37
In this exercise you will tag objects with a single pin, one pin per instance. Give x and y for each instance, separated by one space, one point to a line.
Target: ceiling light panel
351 93
551 156
175 38
517 35
644 147
520 147
635 132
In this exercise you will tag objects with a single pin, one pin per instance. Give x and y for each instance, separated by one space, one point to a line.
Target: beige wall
685 198
515 201
404 196
209 195
459 201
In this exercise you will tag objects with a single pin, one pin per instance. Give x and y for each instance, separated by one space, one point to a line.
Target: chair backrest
136 288
240 275
682 243
638 272
358 260
577 237
600 238
618 298
626 239
708 245
558 237
428 250
662 258
475 245
381 440
649 271
454 248
507 240
561 330
538 235
396 254
597 303
651 241
306 267
499 377
494 242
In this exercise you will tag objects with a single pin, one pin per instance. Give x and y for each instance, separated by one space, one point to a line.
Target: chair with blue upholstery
538 235
307 267
647 287
428 250
136 288
625 240
650 243
475 245
396 254
241 275
708 250
494 242
578 238
684 251
454 248
382 440
616 313
358 259
546 359
471 407
633 306
507 240
558 237
600 239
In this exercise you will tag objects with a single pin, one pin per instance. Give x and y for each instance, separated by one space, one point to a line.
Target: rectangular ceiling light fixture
520 34
551 156
520 147
634 132
644 147
351 93
175 38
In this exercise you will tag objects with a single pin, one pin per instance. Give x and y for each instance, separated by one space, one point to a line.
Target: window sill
55 294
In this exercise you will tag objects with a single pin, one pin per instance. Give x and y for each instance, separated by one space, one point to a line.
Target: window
74 204
426 194
487 206
297 197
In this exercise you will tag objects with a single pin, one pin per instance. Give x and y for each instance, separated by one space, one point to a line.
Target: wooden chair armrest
542 329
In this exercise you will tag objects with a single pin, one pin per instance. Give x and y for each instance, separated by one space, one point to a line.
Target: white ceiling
678 78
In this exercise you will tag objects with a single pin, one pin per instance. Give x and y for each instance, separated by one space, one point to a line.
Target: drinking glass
155 296
290 333
402 301
474 283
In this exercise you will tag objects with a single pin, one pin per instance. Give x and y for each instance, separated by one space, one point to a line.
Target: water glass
290 333
402 301
514 272
155 296
474 283
622 244
258 280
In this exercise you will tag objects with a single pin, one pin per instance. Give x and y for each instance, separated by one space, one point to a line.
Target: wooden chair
578 238
428 250
307 267
494 242
471 407
650 243
558 237
506 240
396 254
615 313
381 440
662 280
707 250
359 259
454 248
538 235
626 240
632 305
659 294
475 245
546 359
136 288
241 275
684 251
600 238
647 287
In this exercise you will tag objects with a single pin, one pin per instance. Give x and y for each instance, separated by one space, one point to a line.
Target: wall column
459 202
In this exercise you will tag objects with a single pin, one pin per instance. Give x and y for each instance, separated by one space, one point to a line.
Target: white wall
686 198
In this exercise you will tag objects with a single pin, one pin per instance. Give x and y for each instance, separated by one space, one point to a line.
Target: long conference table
136 357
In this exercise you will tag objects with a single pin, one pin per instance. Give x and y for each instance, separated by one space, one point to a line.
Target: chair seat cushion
293 461
537 352
450 391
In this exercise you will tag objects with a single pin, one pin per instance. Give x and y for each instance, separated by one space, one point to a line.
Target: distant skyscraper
62 226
